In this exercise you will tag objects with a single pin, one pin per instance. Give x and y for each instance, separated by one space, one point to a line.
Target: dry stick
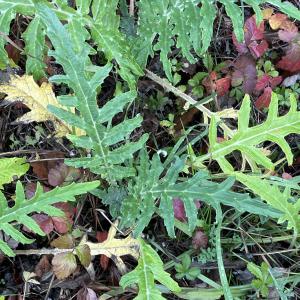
5 37
169 87
8 40
166 85
42 251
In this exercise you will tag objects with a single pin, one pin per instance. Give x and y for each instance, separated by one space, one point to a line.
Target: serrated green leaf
208 14
97 123
274 197
34 37
150 185
40 202
83 6
255 5
236 16
11 167
248 140
6 16
24 7
6 249
149 269
286 7
254 269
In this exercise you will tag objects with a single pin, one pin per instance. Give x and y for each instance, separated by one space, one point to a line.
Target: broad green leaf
149 269
248 140
11 167
41 203
34 37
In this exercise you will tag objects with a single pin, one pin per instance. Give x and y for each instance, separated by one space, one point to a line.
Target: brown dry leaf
42 267
200 239
64 264
115 248
36 98
276 20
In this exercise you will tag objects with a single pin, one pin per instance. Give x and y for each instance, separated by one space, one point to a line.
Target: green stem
222 272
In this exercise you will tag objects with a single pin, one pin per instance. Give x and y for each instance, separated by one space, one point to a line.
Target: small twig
49 287
169 87
102 212
45 159
42 251
5 36
8 40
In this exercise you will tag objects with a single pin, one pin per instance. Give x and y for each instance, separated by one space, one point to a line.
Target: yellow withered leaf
115 248
36 98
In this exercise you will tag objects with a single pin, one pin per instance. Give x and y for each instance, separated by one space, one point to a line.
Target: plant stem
222 272
169 87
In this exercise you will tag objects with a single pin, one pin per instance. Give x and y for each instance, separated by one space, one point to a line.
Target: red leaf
240 47
267 81
264 100
291 61
254 39
262 82
67 208
286 176
179 210
45 222
62 225
57 175
274 81
245 72
252 31
223 86
30 189
258 49
41 168
200 240
288 32
101 236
